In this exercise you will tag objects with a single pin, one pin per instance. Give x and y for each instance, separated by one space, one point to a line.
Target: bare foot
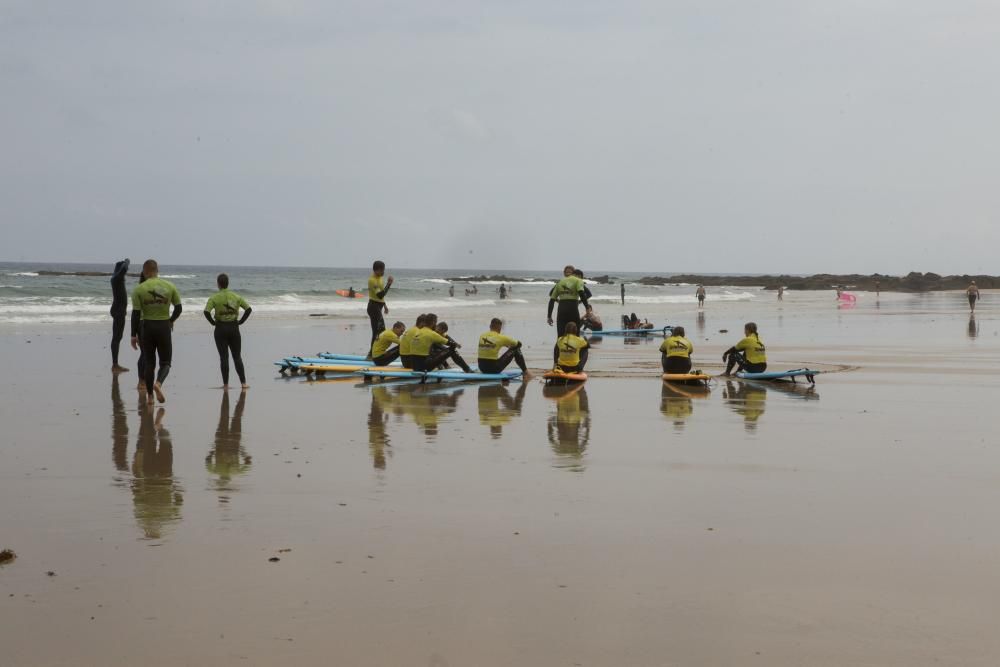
116 369
159 393
149 401
244 386
225 387
158 422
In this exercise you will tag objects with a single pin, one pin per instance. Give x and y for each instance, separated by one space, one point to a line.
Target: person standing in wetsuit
377 288
119 306
623 292
749 354
568 292
675 352
226 306
490 359
151 302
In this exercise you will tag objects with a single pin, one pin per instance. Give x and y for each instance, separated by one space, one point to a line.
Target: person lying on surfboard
490 343
570 352
675 352
749 354
383 353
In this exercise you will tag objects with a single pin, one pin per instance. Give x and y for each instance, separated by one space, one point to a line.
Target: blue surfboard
663 331
442 375
779 375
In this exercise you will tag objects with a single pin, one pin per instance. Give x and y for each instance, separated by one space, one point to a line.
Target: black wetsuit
436 359
119 304
228 340
735 358
676 364
503 361
569 310
387 358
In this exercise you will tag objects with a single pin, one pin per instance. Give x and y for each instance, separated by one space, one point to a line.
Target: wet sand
623 523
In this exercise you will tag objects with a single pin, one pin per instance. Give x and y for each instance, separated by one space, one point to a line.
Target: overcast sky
660 136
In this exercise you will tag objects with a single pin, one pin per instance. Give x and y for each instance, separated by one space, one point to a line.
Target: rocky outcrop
911 282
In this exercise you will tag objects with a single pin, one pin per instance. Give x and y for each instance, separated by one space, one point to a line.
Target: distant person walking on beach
623 292
226 307
700 293
151 301
119 306
503 291
568 292
675 352
781 292
377 289
490 344
451 290
749 354
973 293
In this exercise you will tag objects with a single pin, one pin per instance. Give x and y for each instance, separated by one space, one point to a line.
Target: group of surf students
156 305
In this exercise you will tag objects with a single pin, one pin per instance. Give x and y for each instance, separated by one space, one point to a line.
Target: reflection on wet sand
378 418
747 400
497 407
426 404
700 322
155 493
119 428
973 327
568 427
228 459
677 401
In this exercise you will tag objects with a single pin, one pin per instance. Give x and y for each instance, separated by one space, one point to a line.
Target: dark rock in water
273 559
912 282
7 555
501 278
602 280
85 274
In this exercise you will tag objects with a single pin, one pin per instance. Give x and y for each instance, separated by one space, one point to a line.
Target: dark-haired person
570 352
377 289
119 306
675 352
568 292
436 348
749 354
421 358
383 352
151 302
136 333
490 344
406 342
225 305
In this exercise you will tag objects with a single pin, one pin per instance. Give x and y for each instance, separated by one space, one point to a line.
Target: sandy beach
622 523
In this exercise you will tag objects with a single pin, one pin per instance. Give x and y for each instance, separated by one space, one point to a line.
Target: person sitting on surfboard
381 354
407 339
442 328
592 322
569 292
420 357
749 354
351 293
570 352
490 359
675 352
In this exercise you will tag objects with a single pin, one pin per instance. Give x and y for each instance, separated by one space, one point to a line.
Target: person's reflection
228 458
426 405
700 322
497 407
677 402
378 438
155 494
973 327
119 428
569 426
746 399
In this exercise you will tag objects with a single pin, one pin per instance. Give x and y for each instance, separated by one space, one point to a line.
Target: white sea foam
675 298
435 280
29 274
179 276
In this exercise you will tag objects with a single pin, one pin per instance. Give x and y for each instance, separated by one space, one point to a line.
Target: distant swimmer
570 352
675 352
451 290
119 306
377 289
351 293
623 292
700 293
490 344
419 357
502 290
781 293
383 351
568 292
973 293
749 354
592 322
151 301
225 305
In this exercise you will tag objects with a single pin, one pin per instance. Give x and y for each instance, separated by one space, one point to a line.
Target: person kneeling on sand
675 352
490 359
749 354
570 352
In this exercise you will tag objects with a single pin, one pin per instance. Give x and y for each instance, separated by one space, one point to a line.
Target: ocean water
27 296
